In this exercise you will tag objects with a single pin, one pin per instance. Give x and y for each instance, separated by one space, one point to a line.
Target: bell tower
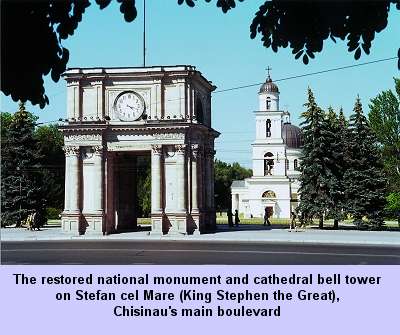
269 117
268 146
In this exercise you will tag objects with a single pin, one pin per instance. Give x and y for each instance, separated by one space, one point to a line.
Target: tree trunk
321 222
335 224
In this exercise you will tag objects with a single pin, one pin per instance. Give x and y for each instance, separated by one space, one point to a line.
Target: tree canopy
384 119
364 180
225 173
21 179
303 26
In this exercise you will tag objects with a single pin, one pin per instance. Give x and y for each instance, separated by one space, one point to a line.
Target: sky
220 47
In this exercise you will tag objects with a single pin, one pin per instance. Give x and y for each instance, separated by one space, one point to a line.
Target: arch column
156 190
93 185
178 218
196 189
180 174
98 180
195 183
70 218
210 201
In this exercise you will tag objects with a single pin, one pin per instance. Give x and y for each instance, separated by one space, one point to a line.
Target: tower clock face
129 106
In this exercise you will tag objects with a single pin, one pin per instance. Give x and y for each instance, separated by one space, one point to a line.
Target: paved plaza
255 233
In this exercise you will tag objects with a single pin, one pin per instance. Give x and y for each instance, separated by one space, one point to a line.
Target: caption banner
244 295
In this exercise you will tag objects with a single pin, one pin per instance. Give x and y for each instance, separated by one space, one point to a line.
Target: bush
53 213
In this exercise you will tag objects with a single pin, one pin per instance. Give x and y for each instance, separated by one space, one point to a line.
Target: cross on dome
269 85
268 69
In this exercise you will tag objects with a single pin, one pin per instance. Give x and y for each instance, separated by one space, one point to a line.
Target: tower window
268 128
268 103
268 164
287 164
296 164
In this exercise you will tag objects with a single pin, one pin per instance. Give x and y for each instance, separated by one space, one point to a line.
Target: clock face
129 106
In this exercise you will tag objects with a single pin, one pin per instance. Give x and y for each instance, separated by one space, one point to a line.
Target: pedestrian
29 222
266 217
229 214
237 220
293 223
37 219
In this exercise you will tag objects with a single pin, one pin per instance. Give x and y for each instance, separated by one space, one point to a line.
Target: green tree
335 167
384 119
50 143
225 173
393 205
316 177
21 182
144 187
303 26
364 180
5 121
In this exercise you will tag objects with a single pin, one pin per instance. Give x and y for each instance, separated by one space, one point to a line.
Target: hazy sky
220 47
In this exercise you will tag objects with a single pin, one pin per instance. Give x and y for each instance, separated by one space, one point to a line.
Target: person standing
237 220
293 223
230 218
266 217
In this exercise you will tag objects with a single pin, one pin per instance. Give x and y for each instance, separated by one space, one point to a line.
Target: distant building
276 151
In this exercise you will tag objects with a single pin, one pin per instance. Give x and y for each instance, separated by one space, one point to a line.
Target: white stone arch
180 150
269 194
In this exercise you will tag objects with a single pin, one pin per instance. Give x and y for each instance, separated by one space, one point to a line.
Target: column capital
73 82
196 150
71 150
156 149
98 150
180 149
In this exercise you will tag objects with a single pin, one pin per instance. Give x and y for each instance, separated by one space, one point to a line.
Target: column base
71 222
176 223
195 223
93 223
157 220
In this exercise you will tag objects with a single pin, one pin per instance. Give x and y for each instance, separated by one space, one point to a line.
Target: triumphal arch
118 114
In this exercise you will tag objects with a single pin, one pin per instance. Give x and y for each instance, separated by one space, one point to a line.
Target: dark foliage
31 42
32 33
317 175
384 119
364 180
225 173
144 187
50 144
305 25
336 136
21 178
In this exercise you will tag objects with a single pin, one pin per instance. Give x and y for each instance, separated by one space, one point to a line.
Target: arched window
269 194
268 128
268 103
199 111
296 164
268 164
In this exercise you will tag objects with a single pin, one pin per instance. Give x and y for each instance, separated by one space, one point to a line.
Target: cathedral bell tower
268 147
269 117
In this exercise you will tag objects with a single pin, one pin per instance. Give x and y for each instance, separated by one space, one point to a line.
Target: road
193 252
